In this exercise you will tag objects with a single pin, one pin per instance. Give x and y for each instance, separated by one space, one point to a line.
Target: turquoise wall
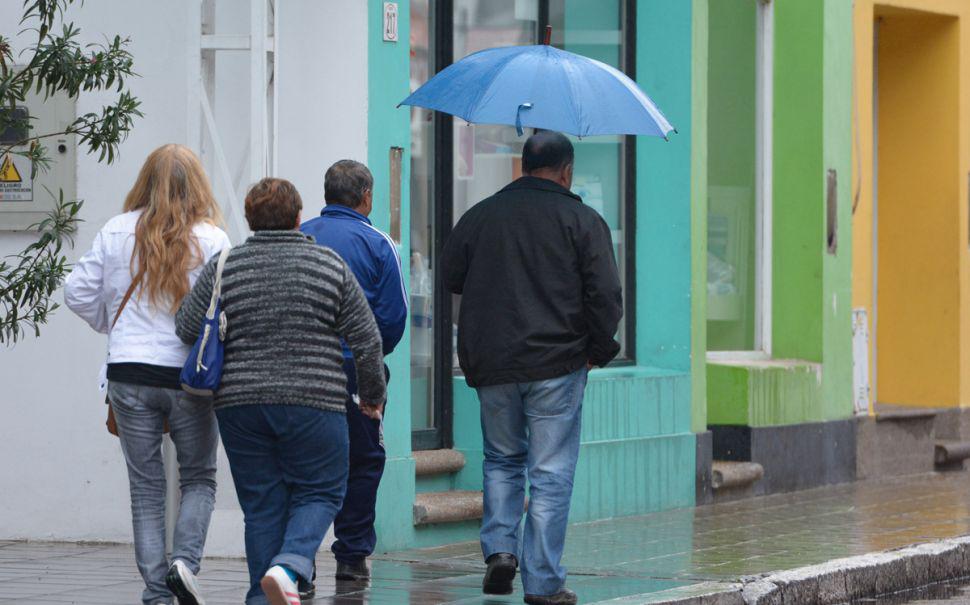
664 188
638 451
387 126
637 445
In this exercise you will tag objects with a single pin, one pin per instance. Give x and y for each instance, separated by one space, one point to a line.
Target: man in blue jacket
372 256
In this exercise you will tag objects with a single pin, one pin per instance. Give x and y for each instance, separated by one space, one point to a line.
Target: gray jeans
140 413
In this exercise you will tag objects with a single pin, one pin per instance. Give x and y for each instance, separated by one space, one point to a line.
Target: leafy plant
55 63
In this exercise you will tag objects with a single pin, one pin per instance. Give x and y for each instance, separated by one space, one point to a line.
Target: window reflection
422 225
731 175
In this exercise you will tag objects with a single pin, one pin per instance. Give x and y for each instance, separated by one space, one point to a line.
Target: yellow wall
923 262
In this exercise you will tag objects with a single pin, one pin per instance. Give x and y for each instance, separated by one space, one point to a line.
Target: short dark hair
547 149
273 205
346 182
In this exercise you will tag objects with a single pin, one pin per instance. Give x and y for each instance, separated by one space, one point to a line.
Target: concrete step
732 475
438 462
895 442
949 455
447 507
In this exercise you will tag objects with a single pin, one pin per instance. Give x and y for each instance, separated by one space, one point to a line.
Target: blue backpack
202 371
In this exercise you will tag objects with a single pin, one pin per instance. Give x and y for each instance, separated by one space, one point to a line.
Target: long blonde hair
173 192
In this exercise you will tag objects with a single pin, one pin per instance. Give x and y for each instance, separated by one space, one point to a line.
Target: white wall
324 56
62 476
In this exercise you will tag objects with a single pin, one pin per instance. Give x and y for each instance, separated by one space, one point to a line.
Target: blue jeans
289 464
354 525
140 413
531 429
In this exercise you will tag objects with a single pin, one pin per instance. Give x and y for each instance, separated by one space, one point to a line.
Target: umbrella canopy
542 87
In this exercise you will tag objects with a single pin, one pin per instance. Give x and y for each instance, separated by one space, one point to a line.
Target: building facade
328 89
636 437
749 244
910 261
772 184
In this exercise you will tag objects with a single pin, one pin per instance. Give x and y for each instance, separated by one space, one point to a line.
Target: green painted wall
698 225
766 393
387 126
798 178
837 154
811 304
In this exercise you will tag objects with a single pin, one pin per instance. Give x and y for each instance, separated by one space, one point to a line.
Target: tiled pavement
607 559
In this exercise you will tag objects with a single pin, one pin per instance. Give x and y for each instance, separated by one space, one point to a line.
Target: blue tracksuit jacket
372 256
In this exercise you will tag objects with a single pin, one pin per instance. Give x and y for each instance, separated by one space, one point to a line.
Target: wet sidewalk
630 560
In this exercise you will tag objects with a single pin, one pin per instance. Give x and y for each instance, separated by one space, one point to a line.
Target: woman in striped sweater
280 407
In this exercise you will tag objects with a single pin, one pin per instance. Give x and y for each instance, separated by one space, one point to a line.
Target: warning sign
16 185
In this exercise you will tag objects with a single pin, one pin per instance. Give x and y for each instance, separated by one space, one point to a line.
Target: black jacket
540 290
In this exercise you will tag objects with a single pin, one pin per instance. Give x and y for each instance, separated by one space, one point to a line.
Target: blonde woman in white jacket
129 285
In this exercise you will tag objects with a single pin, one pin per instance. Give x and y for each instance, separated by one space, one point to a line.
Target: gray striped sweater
288 301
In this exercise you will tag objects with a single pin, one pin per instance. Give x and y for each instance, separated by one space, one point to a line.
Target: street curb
829 583
863 576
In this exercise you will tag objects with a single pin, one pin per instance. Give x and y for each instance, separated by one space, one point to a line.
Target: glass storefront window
486 157
422 224
738 147
595 29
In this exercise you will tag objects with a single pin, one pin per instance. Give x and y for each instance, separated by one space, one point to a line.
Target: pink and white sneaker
279 588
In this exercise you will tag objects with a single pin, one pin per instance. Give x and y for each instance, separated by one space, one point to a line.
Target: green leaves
102 133
29 279
56 63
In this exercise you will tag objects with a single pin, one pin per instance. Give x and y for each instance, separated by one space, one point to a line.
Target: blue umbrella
542 87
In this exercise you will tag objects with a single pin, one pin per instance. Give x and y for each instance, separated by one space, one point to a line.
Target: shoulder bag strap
124 301
217 284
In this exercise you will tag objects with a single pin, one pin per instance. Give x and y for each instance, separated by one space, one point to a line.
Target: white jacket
96 286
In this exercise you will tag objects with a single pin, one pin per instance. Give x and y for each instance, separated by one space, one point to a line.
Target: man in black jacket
540 306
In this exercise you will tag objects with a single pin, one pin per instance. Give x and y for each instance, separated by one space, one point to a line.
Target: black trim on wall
443 186
629 67
543 21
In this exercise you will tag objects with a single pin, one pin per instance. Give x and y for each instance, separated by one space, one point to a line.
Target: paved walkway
635 557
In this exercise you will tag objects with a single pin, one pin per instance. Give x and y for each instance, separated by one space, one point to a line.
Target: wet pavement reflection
672 552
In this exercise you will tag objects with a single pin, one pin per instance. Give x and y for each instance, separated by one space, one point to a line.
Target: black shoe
352 571
500 573
306 589
563 597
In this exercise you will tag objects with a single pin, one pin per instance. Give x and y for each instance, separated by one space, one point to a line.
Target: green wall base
768 393
395 505
636 444
440 534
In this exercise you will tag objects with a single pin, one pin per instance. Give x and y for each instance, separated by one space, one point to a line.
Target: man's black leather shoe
306 589
500 573
353 571
563 597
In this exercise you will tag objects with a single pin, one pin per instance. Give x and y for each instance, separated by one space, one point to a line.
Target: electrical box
26 198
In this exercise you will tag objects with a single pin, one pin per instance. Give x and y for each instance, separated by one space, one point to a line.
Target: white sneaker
279 588
183 584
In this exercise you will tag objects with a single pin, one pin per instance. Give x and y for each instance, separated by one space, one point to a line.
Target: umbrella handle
518 117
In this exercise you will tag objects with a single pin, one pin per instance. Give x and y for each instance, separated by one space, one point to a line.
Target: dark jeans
354 525
289 464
